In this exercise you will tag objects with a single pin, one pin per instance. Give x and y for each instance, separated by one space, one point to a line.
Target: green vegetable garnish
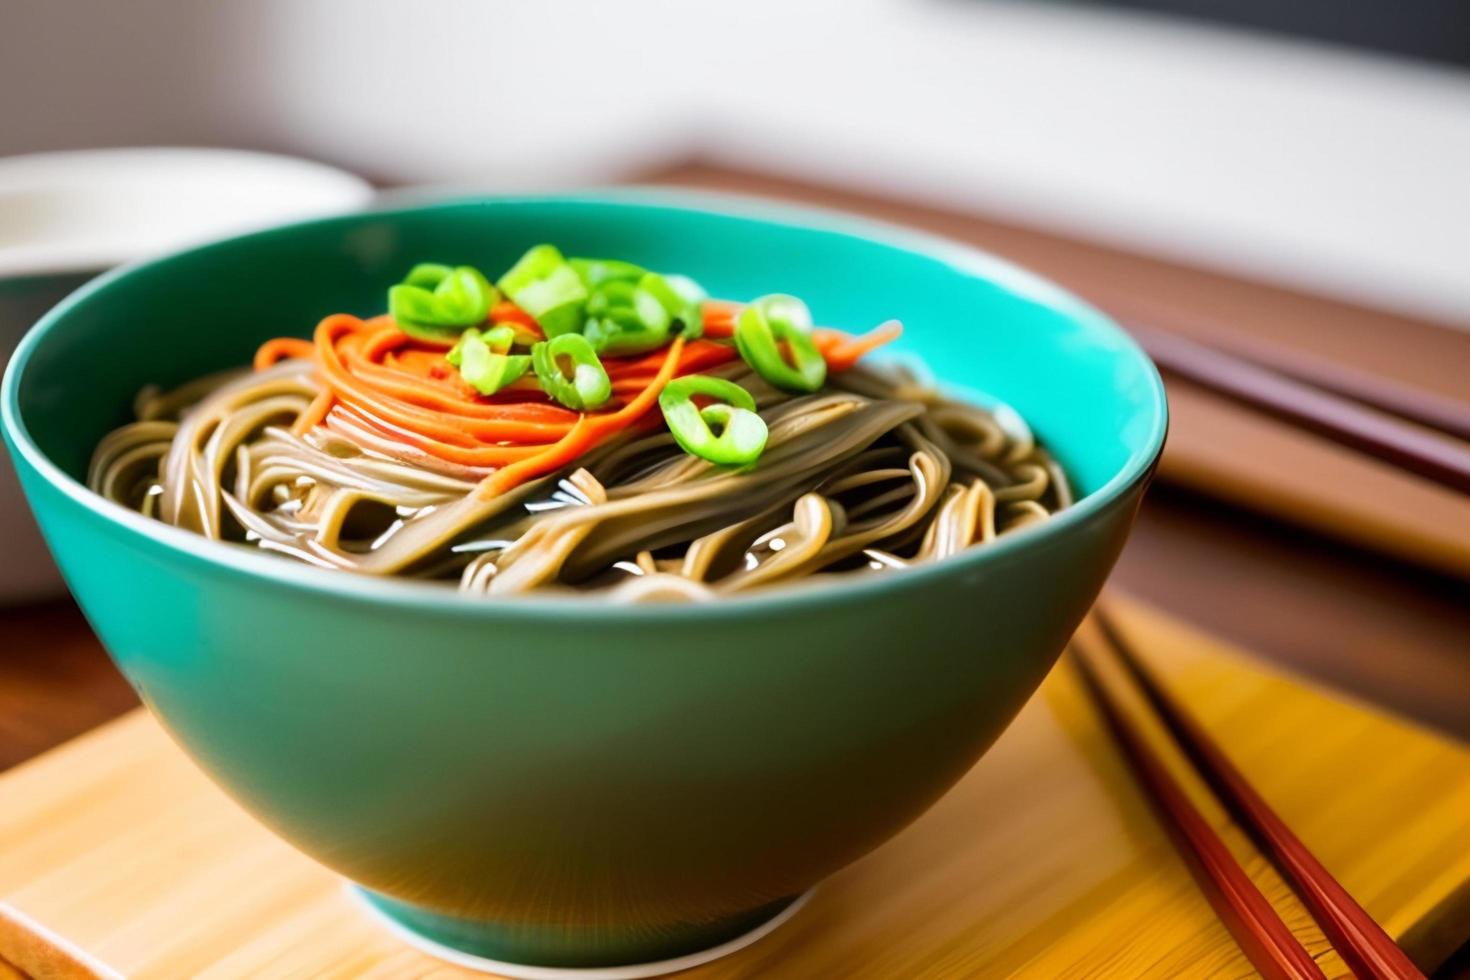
500 339
769 322
595 272
435 301
626 317
428 274
484 359
588 385
546 286
742 433
691 311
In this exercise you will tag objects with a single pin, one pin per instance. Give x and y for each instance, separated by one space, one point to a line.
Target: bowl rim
273 570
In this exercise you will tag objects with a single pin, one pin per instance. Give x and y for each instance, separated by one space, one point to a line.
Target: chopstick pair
1415 431
1266 940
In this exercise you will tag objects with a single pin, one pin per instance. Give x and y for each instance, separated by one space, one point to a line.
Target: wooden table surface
1383 630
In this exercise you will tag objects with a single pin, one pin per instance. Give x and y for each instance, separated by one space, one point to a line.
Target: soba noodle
870 473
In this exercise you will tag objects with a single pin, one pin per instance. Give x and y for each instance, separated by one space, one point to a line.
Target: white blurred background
1326 167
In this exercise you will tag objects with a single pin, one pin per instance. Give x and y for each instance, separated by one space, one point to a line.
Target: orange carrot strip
507 312
494 423
280 349
697 354
383 341
403 380
400 387
719 317
589 431
454 396
497 456
315 413
842 350
406 416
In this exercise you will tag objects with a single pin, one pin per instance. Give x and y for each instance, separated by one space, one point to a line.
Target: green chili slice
766 324
587 386
742 433
436 300
546 286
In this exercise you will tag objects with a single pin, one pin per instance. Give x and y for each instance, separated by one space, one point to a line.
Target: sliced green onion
632 317
587 387
780 306
524 335
692 297
681 298
436 300
622 332
499 339
427 275
595 272
546 286
767 323
655 302
624 318
742 433
487 369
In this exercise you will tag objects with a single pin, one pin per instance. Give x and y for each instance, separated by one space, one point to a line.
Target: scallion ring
766 324
742 433
434 300
546 286
625 318
484 359
587 386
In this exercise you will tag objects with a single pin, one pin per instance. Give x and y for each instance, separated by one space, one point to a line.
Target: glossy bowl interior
561 781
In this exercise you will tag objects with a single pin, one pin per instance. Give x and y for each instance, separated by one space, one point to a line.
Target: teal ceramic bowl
560 781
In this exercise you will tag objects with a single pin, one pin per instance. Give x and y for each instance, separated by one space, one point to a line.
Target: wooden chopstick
1265 939
1448 415
1367 949
1350 423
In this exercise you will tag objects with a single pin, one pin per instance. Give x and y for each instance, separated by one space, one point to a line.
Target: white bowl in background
64 217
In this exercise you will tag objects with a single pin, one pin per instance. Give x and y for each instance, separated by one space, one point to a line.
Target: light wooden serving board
117 855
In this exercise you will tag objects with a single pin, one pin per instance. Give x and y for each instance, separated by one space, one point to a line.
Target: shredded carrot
507 312
281 349
842 350
719 318
400 391
315 413
698 355
589 431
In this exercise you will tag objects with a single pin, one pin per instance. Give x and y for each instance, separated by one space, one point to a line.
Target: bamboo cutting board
119 858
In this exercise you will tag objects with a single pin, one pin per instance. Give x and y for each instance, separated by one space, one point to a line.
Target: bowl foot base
469 945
